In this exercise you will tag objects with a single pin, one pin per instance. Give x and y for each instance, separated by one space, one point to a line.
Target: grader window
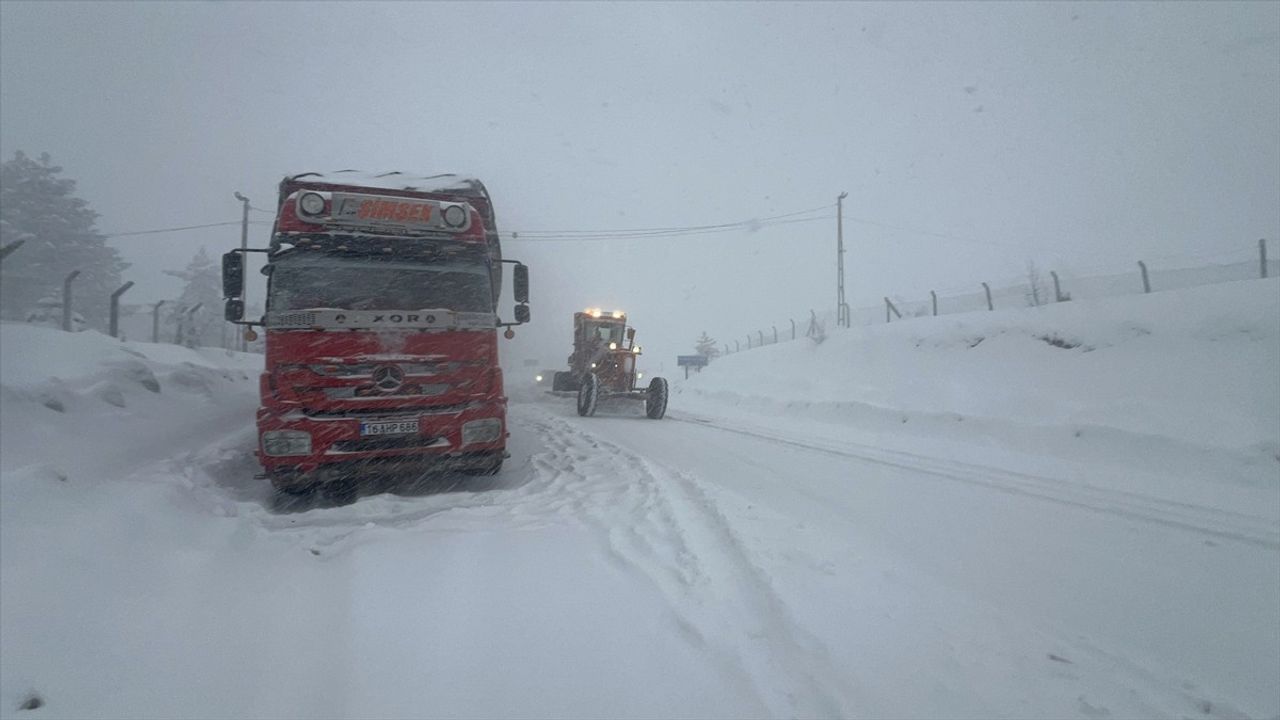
604 332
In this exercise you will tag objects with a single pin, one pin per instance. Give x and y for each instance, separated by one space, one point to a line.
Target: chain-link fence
1038 287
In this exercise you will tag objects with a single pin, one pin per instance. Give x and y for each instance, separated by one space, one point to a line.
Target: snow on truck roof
443 182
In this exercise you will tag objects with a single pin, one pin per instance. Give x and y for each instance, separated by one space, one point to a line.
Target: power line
598 238
172 229
662 230
159 231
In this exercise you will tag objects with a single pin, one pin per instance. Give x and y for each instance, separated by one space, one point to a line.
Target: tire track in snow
1204 520
662 524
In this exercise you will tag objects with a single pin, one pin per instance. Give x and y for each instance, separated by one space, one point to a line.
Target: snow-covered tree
204 287
706 346
40 208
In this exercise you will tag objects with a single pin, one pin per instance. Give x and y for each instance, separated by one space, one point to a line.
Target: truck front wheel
588 394
655 400
492 468
342 491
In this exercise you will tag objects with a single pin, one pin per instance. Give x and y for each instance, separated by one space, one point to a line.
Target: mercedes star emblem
388 378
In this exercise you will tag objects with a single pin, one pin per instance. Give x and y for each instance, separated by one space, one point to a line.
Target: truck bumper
338 450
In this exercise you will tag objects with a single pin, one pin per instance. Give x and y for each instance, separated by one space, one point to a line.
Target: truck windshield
605 332
311 282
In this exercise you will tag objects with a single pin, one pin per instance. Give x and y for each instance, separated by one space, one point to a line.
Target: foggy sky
1080 136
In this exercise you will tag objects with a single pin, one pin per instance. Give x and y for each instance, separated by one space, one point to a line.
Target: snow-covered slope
1198 366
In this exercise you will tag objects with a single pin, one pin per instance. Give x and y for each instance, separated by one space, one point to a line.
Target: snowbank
102 396
1197 366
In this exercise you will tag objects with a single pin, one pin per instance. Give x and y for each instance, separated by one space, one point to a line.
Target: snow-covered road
887 583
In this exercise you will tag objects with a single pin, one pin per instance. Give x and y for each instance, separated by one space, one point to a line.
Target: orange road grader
603 365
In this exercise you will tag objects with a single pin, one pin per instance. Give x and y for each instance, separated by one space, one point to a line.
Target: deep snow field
1064 511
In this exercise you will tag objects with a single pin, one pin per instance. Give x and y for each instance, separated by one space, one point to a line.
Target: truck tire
588 394
655 400
292 500
493 468
340 492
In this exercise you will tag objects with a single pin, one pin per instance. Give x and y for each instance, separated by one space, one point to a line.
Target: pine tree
706 346
40 208
204 288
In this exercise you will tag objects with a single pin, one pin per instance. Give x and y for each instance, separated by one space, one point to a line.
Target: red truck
380 330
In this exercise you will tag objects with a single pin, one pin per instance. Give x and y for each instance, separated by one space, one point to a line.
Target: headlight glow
537 378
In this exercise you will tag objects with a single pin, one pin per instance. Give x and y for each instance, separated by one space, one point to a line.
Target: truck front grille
401 442
344 414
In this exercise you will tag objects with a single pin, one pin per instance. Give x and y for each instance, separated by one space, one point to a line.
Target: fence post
1057 287
66 300
748 341
1262 256
737 347
155 322
793 328
761 338
1146 281
775 334
933 296
115 308
987 288
889 306
4 251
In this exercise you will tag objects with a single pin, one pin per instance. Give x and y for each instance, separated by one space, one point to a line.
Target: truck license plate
392 427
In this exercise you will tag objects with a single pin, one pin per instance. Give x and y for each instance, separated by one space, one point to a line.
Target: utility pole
244 245
842 308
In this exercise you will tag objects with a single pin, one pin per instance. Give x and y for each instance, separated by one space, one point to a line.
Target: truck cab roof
451 185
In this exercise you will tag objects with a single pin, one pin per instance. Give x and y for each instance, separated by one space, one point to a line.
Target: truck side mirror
234 310
232 275
520 283
522 314
631 334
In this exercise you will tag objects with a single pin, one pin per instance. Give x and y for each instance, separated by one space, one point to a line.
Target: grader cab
603 365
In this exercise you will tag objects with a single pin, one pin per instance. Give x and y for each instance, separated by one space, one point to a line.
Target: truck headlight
481 431
613 346
455 216
281 443
311 203
537 378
